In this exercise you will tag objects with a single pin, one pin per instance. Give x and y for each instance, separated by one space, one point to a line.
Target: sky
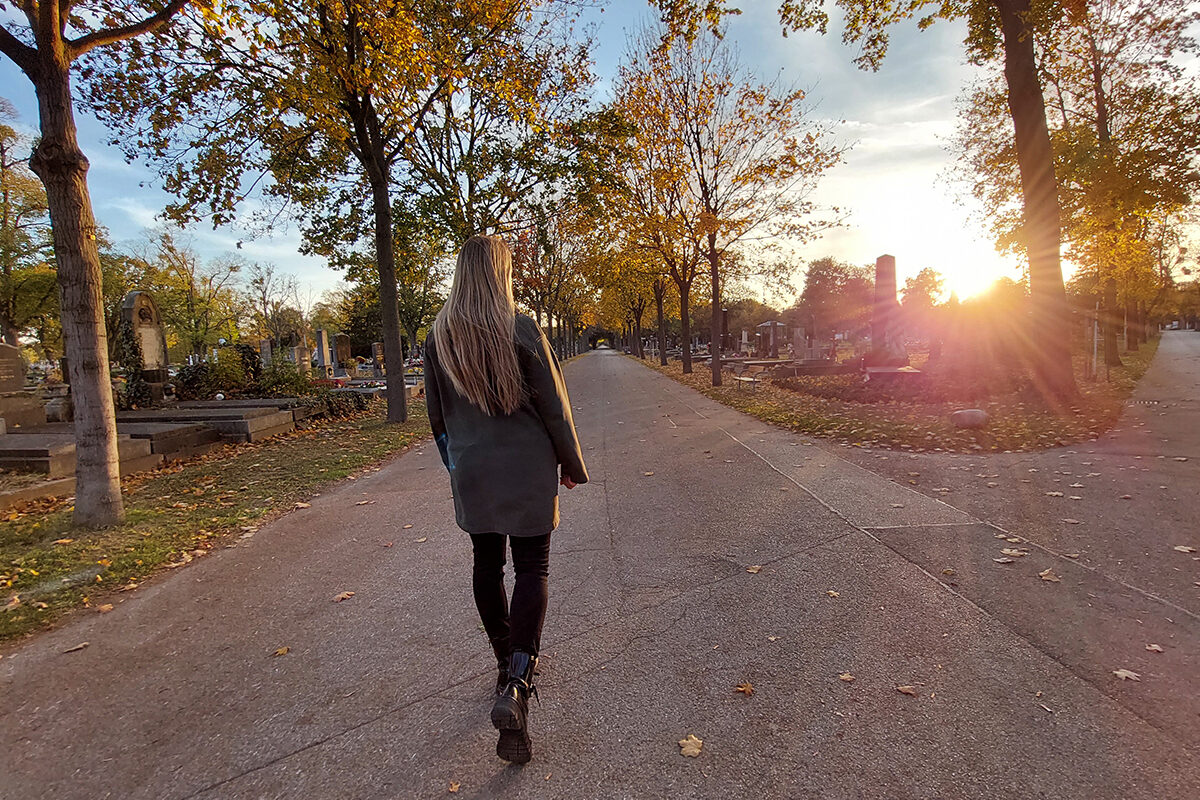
893 183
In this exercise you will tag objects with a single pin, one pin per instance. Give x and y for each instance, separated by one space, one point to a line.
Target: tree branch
78 47
20 53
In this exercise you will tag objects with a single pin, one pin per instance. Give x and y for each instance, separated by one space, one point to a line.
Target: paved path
654 619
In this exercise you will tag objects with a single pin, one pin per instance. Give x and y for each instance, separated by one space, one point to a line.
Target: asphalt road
654 620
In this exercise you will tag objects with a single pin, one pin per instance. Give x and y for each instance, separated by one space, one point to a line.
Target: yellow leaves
1048 575
745 688
690 746
303 505
846 677
754 569
105 608
282 651
63 541
647 474
832 593
343 596
453 787
908 690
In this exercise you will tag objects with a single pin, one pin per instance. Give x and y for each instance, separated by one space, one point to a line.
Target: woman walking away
502 421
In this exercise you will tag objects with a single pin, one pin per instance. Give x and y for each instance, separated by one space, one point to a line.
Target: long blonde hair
474 332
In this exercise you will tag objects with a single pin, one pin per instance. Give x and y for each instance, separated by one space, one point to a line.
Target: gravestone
265 353
18 408
377 352
140 311
302 358
342 345
324 361
886 348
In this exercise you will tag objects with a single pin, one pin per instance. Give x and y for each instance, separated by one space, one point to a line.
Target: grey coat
504 469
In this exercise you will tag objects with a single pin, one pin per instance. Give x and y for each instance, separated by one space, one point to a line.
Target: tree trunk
1132 339
385 255
685 326
63 168
1051 356
714 336
1110 321
660 291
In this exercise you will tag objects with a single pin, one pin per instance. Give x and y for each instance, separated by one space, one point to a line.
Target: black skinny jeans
520 628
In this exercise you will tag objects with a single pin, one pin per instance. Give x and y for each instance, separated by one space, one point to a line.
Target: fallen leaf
406 527
343 596
1054 494
832 593
948 571
647 474
1127 675
104 609
303 505
63 541
897 505
1071 521
1013 539
1183 548
908 690
1048 575
364 502
745 688
772 638
1155 648
422 540
1004 560
455 784
846 677
1008 551
690 746
386 544
1181 458
1071 555
1126 497
13 602
283 651
77 647
754 569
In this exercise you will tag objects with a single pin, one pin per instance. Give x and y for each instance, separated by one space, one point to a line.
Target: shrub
337 404
280 378
228 374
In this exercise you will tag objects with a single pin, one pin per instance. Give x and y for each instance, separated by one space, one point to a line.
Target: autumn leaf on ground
104 609
1008 551
1048 575
1183 548
647 474
283 651
745 688
690 746
897 505
1054 494
1127 675
77 647
364 502
846 677
832 593
13 602
948 571
453 787
754 569
1004 560
908 690
1154 648
343 596
63 541
1071 521
406 527
422 540
303 505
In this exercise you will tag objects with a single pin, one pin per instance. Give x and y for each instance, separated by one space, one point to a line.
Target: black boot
501 649
510 714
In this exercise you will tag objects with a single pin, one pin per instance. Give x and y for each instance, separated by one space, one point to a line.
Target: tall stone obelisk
886 348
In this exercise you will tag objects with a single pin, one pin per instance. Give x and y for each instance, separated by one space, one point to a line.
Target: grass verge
174 515
919 427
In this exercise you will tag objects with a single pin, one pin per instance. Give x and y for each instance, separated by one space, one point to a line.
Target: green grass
1015 425
48 567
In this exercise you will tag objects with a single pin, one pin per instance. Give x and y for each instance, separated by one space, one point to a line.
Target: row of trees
392 132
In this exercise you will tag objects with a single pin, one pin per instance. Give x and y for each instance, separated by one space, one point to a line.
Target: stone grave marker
141 312
18 408
377 352
886 347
